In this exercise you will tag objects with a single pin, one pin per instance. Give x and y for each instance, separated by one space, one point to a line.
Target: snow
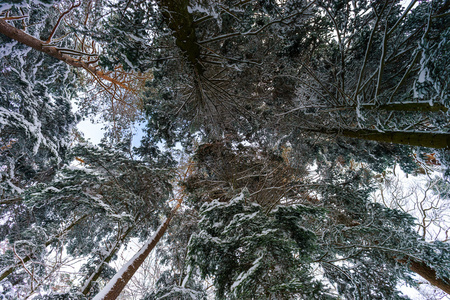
244 275
197 8
7 48
267 231
217 224
188 271
51 189
14 187
101 295
239 219
216 204
176 290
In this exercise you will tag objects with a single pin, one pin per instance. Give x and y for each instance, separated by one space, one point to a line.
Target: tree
356 242
250 253
360 84
264 96
367 83
36 124
111 198
35 117
115 286
117 90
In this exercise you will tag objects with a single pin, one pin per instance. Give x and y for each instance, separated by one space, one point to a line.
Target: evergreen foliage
35 115
288 111
249 253
109 198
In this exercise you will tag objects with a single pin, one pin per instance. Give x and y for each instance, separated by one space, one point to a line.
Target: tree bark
94 276
427 273
422 139
113 289
408 106
181 22
26 39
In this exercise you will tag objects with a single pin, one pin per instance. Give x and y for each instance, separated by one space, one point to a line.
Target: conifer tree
90 211
354 241
271 90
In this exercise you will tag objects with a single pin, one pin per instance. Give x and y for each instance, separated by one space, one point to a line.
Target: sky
93 132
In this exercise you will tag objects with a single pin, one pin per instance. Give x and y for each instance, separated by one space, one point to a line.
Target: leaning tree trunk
96 274
422 139
427 273
115 286
407 106
26 39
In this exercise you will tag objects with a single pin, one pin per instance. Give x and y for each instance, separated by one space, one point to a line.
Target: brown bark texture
427 273
93 278
411 106
422 139
26 39
436 140
120 284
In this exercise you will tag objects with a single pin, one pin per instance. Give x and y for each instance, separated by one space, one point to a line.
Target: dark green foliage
432 84
273 89
126 35
35 116
176 292
90 210
248 253
332 223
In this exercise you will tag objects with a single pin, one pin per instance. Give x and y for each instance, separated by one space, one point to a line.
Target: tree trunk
94 276
423 139
115 286
408 106
427 273
26 39
181 22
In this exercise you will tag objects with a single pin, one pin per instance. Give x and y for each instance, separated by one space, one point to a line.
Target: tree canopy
270 130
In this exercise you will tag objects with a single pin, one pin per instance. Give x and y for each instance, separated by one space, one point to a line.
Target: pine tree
368 83
271 90
355 241
250 253
90 211
35 116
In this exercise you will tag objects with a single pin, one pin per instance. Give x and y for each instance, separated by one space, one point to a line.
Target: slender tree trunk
94 276
8 270
26 39
423 139
427 273
181 22
408 106
115 286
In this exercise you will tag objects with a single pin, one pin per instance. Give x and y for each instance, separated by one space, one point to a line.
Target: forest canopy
292 149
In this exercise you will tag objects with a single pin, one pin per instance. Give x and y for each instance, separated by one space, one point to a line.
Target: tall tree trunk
96 274
181 22
115 286
408 106
423 139
26 39
427 273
